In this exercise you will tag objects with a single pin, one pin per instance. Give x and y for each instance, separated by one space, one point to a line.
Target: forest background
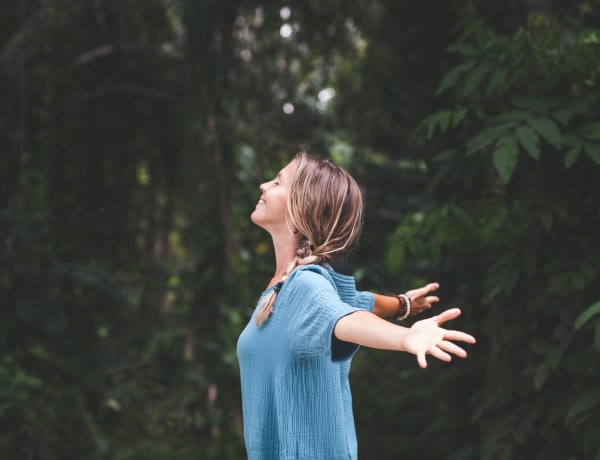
133 137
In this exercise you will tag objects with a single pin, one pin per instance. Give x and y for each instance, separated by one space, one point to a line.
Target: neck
285 252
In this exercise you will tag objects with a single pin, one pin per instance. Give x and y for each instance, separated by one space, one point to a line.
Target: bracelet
404 306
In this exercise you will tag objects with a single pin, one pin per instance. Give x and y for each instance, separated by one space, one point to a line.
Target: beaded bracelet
404 306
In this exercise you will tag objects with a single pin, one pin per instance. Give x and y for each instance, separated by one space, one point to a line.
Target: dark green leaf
457 116
473 79
531 104
430 123
572 154
513 117
591 131
547 129
584 403
505 157
482 140
497 79
465 221
585 315
540 376
565 114
452 76
487 137
593 151
529 139
465 49
444 119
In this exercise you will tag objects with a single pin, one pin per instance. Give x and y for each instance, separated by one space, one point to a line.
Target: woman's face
271 209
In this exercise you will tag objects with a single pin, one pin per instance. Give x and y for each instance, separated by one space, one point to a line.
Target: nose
261 187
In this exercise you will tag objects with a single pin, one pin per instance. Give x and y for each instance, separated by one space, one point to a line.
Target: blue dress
294 373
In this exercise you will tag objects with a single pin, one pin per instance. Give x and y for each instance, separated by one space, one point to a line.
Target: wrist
404 306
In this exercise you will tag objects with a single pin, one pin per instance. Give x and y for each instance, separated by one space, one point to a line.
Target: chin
255 220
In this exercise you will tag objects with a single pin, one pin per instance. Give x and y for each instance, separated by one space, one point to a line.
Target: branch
20 39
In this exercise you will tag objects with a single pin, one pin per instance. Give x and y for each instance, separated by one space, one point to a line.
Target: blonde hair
325 210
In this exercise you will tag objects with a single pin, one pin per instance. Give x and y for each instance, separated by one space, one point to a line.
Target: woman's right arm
387 306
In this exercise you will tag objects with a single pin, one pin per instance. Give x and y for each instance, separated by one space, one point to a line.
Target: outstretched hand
426 337
420 299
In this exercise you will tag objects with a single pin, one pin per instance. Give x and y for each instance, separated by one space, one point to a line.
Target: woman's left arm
424 337
387 306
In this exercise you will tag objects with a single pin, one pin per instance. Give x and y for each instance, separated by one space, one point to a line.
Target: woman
295 352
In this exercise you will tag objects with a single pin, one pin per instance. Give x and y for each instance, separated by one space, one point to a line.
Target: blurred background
134 135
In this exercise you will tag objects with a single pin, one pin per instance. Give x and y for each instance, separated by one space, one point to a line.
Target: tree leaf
547 129
529 139
505 157
466 49
474 78
498 78
540 376
585 315
593 151
488 136
478 142
591 131
572 154
444 119
565 114
458 115
452 76
584 403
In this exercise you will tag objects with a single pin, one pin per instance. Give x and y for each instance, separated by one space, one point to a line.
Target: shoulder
312 276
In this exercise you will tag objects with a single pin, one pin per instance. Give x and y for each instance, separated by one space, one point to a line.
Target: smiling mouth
261 201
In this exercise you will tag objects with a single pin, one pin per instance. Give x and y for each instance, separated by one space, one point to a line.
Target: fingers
432 299
451 334
430 287
422 360
420 304
460 336
442 351
453 349
447 315
438 353
423 291
424 302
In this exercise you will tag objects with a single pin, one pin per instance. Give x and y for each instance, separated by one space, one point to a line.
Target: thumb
448 315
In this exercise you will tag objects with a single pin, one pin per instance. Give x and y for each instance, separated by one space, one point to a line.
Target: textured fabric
294 372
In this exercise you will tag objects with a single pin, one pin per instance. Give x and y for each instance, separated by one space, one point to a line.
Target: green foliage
105 354
134 136
511 222
512 86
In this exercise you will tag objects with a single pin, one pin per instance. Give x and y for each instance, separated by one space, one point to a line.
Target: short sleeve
365 300
316 308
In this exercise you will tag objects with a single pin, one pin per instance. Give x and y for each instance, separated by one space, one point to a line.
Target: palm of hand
423 336
426 337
